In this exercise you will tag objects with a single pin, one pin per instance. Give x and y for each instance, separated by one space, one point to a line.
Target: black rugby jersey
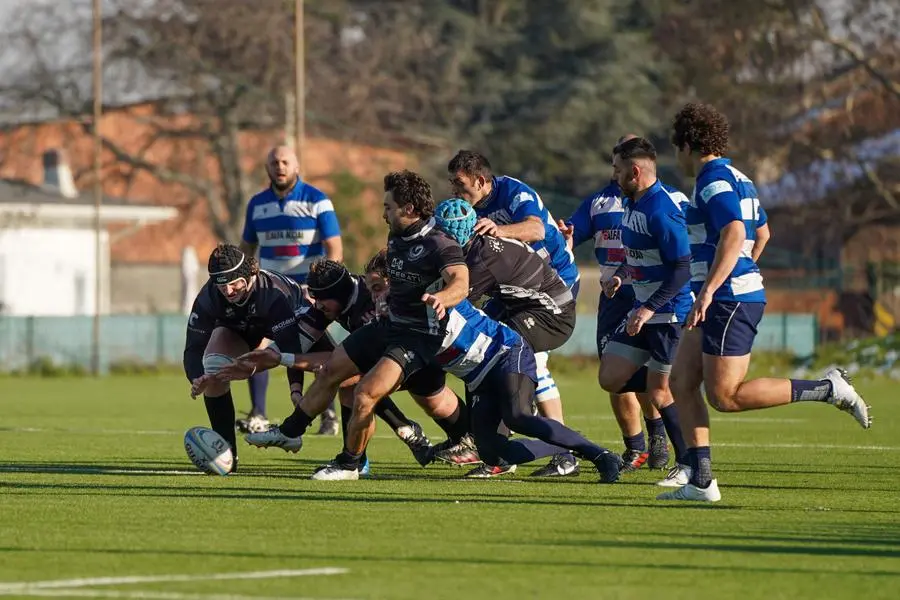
512 273
276 309
415 260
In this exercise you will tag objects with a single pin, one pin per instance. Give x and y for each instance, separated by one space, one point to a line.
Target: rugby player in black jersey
428 276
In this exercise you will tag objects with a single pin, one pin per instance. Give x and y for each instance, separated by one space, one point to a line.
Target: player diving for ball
239 306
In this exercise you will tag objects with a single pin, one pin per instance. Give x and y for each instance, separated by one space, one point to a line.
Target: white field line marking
320 438
145 595
90 470
95 581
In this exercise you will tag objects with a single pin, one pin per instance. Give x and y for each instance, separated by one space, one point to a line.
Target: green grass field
94 483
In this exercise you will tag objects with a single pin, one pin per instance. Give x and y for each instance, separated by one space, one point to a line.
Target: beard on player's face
283 182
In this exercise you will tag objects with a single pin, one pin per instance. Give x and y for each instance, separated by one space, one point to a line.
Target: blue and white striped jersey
655 236
600 217
723 194
512 201
475 344
290 230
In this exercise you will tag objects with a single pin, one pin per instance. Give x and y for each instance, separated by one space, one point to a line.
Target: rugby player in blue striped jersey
639 356
292 224
599 218
723 219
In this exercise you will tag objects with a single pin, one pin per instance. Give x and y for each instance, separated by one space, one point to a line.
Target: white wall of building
47 272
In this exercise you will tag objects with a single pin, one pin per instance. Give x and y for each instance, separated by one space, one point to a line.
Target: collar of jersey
490 197
716 162
418 229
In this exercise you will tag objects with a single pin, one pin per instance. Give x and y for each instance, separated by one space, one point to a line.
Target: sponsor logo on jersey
416 252
611 235
286 323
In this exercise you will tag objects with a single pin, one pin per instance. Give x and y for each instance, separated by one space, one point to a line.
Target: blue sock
655 427
804 390
258 384
637 383
635 442
673 429
701 474
556 434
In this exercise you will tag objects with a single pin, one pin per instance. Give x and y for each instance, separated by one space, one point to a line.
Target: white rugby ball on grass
208 450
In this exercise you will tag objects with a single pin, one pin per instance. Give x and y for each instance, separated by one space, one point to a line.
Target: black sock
346 414
456 426
673 429
637 383
295 425
220 410
803 390
349 461
258 383
391 414
635 442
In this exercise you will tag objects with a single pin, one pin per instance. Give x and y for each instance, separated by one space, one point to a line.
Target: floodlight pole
97 76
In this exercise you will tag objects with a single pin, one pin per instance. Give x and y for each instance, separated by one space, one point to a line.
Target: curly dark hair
635 148
703 128
410 188
228 259
324 273
378 263
471 163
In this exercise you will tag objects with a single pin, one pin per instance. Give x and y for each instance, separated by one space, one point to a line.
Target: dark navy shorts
612 312
730 327
654 345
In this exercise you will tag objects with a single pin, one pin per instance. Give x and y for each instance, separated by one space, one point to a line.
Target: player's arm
249 240
670 230
451 263
531 229
329 230
724 208
762 234
199 330
527 219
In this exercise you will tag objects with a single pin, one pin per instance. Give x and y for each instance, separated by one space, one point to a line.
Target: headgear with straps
456 218
330 280
228 263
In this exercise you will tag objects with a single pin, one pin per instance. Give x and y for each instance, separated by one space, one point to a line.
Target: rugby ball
208 450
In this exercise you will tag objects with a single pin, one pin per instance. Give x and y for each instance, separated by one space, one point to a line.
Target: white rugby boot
845 397
692 493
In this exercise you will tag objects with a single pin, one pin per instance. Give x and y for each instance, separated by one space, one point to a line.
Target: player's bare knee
609 380
722 400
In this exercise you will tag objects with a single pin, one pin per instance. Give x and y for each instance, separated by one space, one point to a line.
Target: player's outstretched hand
568 232
198 386
236 371
485 227
612 285
435 303
262 358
